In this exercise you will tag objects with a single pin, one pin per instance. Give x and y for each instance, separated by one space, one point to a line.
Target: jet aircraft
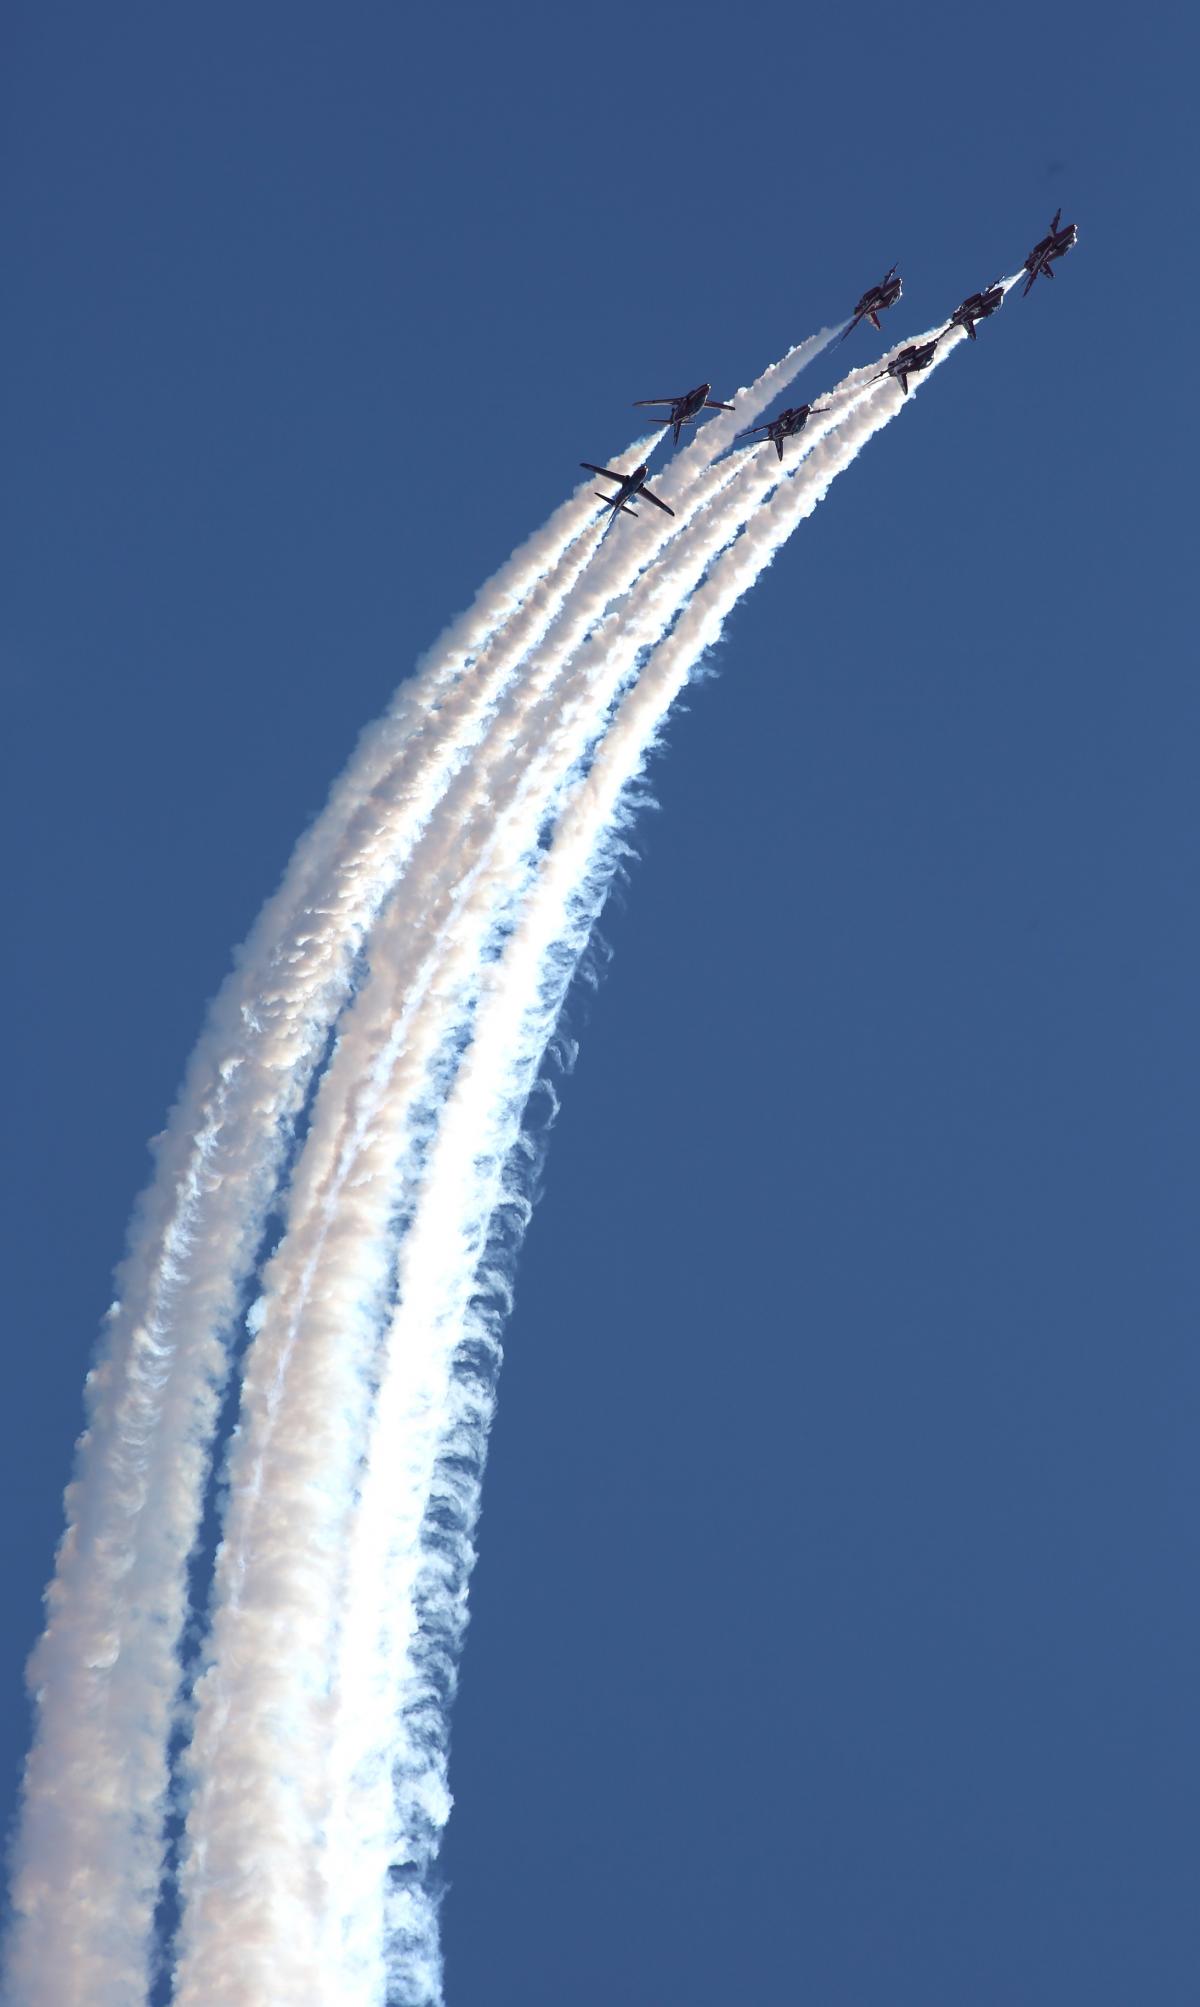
918 355
875 299
629 487
977 307
788 423
1055 244
684 408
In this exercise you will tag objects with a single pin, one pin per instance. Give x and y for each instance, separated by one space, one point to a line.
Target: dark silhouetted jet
629 487
875 300
685 407
1055 244
918 355
977 307
786 426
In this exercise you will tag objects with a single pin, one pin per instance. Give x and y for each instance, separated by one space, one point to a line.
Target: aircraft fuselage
918 355
629 487
692 403
977 307
1055 244
875 300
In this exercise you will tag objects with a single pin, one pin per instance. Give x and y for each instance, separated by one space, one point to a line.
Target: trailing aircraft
918 355
788 423
1055 244
685 407
629 487
977 307
875 300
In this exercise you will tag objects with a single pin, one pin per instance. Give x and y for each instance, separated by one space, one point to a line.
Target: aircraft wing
656 502
639 403
606 471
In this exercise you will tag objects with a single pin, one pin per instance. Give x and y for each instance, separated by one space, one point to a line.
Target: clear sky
835 1632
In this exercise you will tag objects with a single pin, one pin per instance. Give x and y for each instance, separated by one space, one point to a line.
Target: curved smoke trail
463 858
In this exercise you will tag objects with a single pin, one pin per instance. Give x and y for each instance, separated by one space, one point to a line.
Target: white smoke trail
109 1656
105 1671
242 1743
91 1836
304 1965
253 1912
420 1403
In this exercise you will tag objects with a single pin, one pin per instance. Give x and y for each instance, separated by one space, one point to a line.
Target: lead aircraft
1055 244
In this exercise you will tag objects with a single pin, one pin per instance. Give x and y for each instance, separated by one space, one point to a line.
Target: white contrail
275 1981
253 1911
287 1528
88 1855
240 1741
133 1507
283 1822
439 1263
90 1845
152 1400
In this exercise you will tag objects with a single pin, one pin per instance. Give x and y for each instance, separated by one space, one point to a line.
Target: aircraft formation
1059 239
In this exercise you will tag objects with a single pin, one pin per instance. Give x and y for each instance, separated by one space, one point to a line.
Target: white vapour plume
515 683
89 1850
439 1314
416 1410
105 1671
237 1746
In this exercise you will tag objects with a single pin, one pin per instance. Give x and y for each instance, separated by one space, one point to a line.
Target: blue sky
834 1630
